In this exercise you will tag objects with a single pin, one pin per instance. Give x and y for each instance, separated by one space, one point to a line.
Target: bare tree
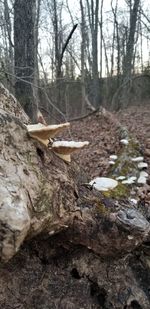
93 10
128 60
9 32
101 37
25 45
85 99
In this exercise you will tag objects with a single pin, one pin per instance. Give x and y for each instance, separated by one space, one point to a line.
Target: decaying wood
41 195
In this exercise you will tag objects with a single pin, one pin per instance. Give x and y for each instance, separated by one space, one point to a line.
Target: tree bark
128 61
93 22
24 53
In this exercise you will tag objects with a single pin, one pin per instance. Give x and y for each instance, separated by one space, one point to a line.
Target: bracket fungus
142 165
124 141
137 159
113 157
144 174
63 149
141 180
121 178
129 180
111 162
43 133
103 183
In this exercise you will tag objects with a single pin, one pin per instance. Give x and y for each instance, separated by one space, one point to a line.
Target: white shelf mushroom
129 181
43 133
137 159
141 180
113 157
142 165
103 183
111 162
63 149
144 174
121 178
124 141
133 201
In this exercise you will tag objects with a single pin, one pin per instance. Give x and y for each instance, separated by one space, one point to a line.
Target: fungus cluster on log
45 134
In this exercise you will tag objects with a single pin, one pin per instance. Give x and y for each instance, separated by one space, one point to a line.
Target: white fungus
63 149
69 144
43 133
143 174
124 141
120 178
142 165
137 159
111 162
133 201
130 237
130 180
103 183
141 180
113 157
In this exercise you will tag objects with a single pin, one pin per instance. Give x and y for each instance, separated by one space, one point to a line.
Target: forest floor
101 132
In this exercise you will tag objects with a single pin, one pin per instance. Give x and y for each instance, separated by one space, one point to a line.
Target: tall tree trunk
93 22
95 56
82 54
10 60
128 61
101 38
24 50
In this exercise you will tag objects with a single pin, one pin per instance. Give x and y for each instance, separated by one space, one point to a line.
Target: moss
100 207
123 165
127 168
121 191
133 148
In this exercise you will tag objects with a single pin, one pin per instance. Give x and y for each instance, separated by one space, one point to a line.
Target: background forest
67 58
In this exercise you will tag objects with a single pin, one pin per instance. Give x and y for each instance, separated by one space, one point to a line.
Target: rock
131 217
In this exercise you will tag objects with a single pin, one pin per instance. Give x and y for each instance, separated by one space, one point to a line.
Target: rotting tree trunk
42 195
